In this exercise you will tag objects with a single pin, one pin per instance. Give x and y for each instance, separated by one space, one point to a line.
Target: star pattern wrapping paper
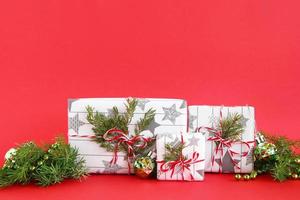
209 116
194 142
171 115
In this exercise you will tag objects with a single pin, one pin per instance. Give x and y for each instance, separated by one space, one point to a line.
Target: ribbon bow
222 143
120 138
180 165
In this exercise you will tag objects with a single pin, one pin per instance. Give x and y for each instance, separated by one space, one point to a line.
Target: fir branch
173 152
232 127
45 166
284 163
102 123
144 123
130 108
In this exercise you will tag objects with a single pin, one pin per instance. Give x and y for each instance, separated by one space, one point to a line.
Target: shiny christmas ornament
32 168
237 177
11 152
297 160
295 176
264 150
246 177
46 157
143 166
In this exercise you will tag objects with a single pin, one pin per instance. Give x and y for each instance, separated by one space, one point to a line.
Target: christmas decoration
276 155
42 165
238 176
246 177
229 135
144 166
180 156
111 132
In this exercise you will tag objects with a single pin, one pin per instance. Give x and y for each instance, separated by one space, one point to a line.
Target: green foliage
101 123
173 152
284 163
44 166
232 127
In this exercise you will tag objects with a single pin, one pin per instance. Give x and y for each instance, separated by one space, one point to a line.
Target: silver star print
244 121
171 113
159 173
142 102
213 119
70 101
193 141
183 104
162 135
249 158
192 118
110 168
200 172
74 123
110 113
153 126
227 166
176 143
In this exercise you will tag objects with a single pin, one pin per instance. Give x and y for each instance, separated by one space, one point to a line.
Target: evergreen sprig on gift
174 152
102 123
231 127
42 165
284 163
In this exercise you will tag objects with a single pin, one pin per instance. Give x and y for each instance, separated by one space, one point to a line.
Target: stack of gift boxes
194 128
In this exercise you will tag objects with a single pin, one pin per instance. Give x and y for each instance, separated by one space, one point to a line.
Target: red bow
180 164
222 143
119 137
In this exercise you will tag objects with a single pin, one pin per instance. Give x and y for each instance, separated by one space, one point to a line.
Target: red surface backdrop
208 52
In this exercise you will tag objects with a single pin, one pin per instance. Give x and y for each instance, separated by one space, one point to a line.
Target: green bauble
144 166
253 174
46 157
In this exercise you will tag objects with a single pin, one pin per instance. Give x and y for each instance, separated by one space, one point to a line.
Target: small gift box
229 133
180 156
170 114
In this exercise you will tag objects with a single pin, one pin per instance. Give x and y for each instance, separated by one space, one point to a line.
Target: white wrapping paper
209 116
171 115
194 142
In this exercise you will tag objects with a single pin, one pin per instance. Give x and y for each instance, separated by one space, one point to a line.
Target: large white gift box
170 115
236 157
191 166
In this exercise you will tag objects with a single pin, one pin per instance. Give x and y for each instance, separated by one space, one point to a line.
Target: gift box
225 156
180 156
170 115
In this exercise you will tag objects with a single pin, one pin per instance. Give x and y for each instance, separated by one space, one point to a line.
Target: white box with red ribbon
185 165
170 115
225 156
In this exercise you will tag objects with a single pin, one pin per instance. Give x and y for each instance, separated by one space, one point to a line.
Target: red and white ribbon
182 163
225 143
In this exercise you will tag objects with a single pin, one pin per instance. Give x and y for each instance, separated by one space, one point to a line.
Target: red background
208 52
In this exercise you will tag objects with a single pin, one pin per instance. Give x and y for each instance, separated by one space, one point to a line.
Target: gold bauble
237 177
246 177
